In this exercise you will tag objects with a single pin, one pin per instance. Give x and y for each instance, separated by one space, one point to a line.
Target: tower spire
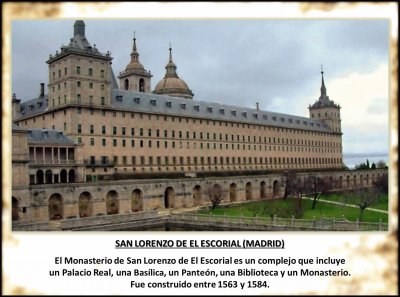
323 88
134 41
134 54
170 53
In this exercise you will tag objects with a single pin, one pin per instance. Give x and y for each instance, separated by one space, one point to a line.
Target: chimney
41 89
258 107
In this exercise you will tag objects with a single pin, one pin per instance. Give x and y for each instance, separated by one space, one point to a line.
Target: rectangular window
78 84
65 70
149 133
79 128
132 131
123 142
165 133
141 143
102 87
90 85
59 72
124 160
133 160
102 73
79 139
142 160
114 142
123 130
103 129
79 110
103 101
132 143
114 130
90 72
115 159
149 143
91 141
78 98
78 71
103 142
90 99
141 132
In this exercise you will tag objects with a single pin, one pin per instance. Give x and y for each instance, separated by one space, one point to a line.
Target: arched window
126 84
141 85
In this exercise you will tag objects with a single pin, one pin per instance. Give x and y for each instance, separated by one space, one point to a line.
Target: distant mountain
358 155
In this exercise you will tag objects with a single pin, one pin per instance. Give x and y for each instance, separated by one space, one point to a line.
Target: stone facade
75 200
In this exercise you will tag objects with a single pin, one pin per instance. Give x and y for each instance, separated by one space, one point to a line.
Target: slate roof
34 106
145 102
46 136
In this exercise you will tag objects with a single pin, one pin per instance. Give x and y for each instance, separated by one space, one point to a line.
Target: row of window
141 143
166 160
78 85
208 135
78 71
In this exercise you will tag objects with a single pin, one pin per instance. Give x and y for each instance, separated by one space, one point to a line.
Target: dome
134 65
171 84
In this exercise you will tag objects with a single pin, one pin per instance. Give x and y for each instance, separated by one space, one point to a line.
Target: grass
382 202
286 208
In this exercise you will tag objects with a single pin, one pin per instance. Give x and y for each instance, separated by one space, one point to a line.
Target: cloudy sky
240 62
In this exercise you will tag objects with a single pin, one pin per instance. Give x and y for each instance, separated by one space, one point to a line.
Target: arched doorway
49 176
137 200
39 177
169 197
355 181
55 207
141 85
63 176
85 205
71 176
233 192
112 203
197 195
361 181
263 190
249 191
275 189
217 192
126 84
340 185
15 211
348 182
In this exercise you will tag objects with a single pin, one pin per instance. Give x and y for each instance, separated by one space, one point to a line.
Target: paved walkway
349 205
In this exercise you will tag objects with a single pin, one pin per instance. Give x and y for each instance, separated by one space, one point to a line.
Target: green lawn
381 203
286 208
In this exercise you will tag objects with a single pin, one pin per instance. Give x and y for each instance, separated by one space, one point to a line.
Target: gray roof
324 101
160 104
34 106
15 127
45 136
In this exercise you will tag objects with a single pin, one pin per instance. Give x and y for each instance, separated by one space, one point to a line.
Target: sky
240 62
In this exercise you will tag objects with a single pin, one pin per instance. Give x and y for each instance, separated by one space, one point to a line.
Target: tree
363 198
373 166
317 187
368 164
381 184
381 164
290 183
216 195
294 187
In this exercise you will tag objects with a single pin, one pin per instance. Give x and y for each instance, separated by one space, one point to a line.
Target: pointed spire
170 53
323 88
134 41
171 67
134 54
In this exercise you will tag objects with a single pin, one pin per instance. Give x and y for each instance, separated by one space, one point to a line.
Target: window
124 160
132 131
132 143
79 111
123 130
103 112
102 73
79 139
90 85
92 141
79 128
103 142
103 129
114 130
78 98
78 71
103 101
90 99
90 72
78 84
91 129
123 142
141 132
102 87
59 72
114 142
65 70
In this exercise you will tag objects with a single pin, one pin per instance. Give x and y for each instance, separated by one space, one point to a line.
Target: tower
79 74
326 110
135 77
171 84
